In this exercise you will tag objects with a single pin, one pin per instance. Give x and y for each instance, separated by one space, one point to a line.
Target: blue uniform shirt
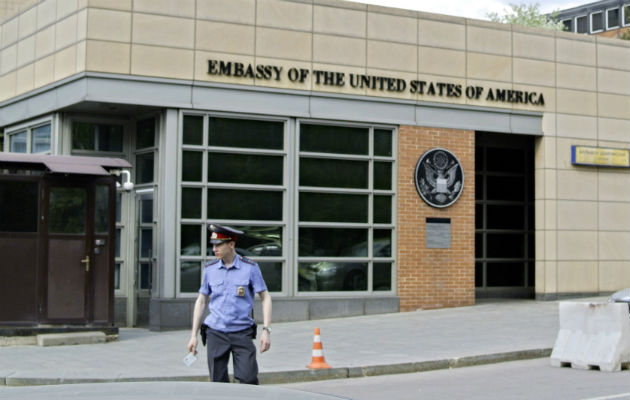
232 293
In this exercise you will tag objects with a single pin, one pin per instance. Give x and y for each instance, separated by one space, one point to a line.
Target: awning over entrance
65 164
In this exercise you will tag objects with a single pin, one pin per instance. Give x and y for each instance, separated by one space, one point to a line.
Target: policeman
231 282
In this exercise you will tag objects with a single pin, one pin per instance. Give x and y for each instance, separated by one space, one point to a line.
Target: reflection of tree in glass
67 210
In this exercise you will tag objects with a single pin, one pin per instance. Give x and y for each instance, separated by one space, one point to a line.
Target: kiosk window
68 208
18 206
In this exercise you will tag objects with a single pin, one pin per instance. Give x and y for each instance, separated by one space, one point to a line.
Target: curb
281 377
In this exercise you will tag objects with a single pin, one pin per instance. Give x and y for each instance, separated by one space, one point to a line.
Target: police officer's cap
220 233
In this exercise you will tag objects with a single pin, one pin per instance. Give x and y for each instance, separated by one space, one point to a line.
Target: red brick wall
435 278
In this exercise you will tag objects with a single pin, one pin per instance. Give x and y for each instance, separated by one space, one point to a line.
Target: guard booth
57 233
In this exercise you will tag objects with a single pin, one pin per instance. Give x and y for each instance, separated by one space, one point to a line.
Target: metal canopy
65 164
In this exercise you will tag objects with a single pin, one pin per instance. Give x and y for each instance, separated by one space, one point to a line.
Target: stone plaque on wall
438 233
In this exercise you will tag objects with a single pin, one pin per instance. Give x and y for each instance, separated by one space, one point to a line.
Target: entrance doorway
504 215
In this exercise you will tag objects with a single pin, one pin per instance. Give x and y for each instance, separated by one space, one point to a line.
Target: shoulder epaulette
209 263
248 261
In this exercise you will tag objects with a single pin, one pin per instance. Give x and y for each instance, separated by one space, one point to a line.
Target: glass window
626 15
144 168
334 139
581 24
238 174
382 176
145 133
145 275
505 160
612 18
117 276
191 203
382 209
320 178
67 210
324 172
40 139
117 243
332 242
245 168
382 277
502 216
505 188
146 242
191 166
329 207
272 274
568 25
97 137
18 206
191 240
504 245
17 142
245 204
597 22
118 207
382 142
259 241
229 132
505 274
193 130
382 243
326 276
190 276
101 209
147 211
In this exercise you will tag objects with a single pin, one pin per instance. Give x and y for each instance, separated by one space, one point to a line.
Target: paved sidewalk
355 346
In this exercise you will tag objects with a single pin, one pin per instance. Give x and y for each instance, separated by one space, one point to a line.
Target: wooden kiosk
57 234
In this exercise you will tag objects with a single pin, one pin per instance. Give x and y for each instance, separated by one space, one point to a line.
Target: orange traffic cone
318 353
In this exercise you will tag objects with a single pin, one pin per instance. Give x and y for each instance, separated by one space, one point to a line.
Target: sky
477 9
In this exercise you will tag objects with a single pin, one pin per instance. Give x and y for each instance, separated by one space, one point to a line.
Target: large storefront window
316 206
233 172
345 230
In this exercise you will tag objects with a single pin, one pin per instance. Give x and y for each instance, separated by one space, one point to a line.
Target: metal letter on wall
439 178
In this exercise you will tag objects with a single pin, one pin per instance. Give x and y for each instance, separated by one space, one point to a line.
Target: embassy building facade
377 159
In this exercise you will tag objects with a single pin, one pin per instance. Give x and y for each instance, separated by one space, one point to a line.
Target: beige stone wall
582 214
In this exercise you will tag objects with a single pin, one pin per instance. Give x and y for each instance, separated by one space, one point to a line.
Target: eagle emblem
439 178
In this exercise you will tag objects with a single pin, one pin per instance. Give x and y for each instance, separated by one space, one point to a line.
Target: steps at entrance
70 338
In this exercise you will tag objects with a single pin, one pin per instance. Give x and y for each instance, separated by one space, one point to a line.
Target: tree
527 15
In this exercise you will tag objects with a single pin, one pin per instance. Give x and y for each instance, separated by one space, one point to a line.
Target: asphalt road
526 380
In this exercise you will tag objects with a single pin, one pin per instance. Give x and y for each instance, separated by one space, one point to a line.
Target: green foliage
527 15
625 35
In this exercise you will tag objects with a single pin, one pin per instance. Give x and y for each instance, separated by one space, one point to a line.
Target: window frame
571 22
625 9
370 259
577 25
591 16
608 26
204 185
28 127
127 130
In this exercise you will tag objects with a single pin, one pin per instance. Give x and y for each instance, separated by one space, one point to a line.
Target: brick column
435 278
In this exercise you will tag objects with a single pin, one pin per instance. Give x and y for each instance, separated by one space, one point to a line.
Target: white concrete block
592 335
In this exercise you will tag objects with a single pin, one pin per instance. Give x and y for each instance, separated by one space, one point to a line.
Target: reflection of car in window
264 249
343 276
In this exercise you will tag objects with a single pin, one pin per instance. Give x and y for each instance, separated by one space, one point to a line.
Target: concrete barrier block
71 338
592 335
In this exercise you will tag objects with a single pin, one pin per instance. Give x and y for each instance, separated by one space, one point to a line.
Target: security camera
127 184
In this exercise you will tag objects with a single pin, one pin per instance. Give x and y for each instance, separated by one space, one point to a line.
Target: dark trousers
240 344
